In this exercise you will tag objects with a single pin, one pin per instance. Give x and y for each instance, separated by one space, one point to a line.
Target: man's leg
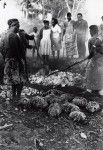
13 91
33 52
19 90
58 54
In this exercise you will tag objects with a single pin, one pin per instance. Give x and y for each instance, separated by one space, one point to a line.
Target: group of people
14 42
48 41
74 33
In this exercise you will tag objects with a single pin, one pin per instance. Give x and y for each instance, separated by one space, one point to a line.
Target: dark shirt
25 39
10 46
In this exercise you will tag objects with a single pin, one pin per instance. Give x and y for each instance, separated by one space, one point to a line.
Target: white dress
56 31
45 43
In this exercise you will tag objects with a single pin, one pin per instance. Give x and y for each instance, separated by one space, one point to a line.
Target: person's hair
80 14
10 21
35 28
55 20
94 28
69 14
45 21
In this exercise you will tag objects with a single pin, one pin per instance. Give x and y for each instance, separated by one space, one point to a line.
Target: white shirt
56 31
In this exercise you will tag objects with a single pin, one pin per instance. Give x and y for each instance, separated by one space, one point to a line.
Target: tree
59 7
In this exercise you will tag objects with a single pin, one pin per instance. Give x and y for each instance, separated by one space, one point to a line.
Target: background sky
95 11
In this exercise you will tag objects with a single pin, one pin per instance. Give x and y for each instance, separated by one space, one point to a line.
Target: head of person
102 18
93 30
35 29
46 24
54 21
79 16
69 16
14 24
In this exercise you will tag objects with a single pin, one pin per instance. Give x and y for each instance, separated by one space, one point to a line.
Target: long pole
76 63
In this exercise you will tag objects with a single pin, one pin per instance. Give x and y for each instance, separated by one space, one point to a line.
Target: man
70 38
81 27
12 51
94 73
101 30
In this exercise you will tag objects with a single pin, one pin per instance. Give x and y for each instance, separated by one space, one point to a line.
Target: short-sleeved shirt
56 31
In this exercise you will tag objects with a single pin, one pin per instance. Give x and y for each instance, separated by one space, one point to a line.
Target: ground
54 133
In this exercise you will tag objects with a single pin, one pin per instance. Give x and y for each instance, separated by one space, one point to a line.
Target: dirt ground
54 133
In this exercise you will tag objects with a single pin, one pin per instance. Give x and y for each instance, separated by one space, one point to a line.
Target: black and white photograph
51 74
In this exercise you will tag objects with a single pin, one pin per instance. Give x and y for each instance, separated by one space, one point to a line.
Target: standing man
70 36
81 27
101 29
13 53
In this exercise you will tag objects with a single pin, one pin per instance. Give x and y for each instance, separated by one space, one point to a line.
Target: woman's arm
64 28
40 35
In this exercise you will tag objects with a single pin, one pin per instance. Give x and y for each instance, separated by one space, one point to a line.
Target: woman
94 72
70 37
14 70
44 43
56 37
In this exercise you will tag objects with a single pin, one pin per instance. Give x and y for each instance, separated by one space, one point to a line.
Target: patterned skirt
70 45
14 71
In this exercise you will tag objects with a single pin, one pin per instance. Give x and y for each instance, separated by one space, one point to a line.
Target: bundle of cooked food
54 109
39 101
93 106
69 107
77 116
80 101
60 78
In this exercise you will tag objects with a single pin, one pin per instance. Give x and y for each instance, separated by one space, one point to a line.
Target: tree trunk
78 7
69 9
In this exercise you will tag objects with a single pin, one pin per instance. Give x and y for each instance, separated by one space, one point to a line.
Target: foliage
59 7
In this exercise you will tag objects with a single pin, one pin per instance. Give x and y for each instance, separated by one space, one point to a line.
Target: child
44 43
35 33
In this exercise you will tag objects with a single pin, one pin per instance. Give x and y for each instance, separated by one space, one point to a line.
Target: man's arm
29 37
